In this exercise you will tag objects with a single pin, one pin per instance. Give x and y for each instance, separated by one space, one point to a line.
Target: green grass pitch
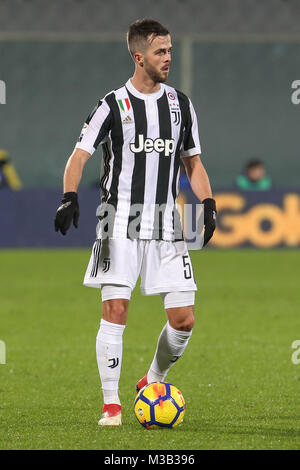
240 385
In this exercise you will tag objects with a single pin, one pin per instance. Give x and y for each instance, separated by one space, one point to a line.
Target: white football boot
111 415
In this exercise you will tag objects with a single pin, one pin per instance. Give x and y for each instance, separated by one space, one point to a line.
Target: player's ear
139 59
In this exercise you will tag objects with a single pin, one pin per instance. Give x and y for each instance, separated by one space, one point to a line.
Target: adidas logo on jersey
148 145
127 120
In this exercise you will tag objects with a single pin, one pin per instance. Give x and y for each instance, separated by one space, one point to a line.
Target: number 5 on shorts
187 267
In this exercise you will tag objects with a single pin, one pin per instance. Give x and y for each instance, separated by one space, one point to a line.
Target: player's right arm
93 133
74 169
68 211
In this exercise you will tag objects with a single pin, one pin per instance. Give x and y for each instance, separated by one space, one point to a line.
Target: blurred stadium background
235 59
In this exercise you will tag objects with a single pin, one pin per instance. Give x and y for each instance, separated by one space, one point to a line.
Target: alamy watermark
2 92
295 96
2 352
296 354
152 220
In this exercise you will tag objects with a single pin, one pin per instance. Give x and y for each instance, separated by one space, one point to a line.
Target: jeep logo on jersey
148 145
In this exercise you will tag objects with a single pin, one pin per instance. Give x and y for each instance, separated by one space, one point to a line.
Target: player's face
157 59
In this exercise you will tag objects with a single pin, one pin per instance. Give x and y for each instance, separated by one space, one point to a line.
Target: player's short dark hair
142 32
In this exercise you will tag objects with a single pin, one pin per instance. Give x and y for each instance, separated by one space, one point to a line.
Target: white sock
109 348
170 347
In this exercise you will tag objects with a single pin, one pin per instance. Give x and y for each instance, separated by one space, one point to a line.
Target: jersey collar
144 96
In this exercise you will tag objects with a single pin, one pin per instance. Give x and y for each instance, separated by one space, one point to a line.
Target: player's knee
183 320
115 311
187 324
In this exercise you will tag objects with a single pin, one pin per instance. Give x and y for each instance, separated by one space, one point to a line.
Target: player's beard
155 75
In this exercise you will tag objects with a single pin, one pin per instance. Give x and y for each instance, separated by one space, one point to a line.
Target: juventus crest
106 265
176 116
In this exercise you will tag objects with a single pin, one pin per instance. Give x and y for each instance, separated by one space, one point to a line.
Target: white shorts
164 266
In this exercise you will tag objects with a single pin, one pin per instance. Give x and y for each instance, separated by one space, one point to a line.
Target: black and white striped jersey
143 137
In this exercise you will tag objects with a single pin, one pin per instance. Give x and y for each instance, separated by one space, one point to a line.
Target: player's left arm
198 177
200 185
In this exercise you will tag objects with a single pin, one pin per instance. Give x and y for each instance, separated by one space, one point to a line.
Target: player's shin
109 348
170 347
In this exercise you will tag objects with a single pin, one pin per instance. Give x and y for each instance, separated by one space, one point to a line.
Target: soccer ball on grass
159 404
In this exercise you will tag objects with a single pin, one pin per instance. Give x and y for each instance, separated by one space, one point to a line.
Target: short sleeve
191 142
95 128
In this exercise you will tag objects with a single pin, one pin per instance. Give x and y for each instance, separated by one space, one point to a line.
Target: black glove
68 210
210 216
